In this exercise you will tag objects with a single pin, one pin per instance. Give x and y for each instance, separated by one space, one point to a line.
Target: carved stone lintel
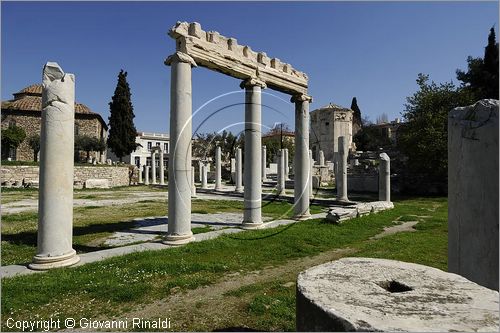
180 57
301 98
251 82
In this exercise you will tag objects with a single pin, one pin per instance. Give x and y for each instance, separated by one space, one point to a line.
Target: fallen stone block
97 183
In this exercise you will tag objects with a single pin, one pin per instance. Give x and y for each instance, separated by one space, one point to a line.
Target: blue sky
371 50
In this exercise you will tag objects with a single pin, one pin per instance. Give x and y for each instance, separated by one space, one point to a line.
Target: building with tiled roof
25 111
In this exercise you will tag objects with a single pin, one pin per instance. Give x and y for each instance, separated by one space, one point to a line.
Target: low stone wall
116 175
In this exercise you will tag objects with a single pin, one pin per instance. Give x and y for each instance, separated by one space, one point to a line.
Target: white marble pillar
342 169
252 214
321 158
146 174
281 172
239 175
264 163
193 185
218 169
200 166
287 165
204 176
301 160
55 202
311 172
153 167
140 174
384 178
162 169
179 166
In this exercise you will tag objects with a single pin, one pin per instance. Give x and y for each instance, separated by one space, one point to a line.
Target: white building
142 155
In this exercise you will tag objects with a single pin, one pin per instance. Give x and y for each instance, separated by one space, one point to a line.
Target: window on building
158 144
165 147
12 123
150 145
137 161
12 154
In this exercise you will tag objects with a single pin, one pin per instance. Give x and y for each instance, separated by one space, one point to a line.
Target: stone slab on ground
338 214
97 183
366 294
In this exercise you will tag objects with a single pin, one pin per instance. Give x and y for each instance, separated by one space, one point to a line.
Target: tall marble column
179 166
55 202
239 174
321 158
153 167
287 165
146 174
193 185
384 180
281 172
162 168
311 172
342 169
301 160
204 177
264 163
218 170
200 166
252 214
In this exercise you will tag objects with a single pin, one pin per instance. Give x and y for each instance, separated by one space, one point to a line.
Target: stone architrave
204 177
384 180
55 203
473 192
239 174
321 158
281 172
287 166
179 166
252 202
140 174
218 169
162 168
193 185
153 167
264 164
342 169
146 174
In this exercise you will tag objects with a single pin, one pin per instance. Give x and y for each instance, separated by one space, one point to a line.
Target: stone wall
116 175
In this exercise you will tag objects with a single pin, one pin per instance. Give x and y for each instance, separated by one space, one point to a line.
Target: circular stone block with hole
366 294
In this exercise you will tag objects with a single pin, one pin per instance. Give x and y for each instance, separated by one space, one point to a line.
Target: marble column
140 174
55 202
311 172
384 178
162 169
321 158
146 174
342 169
204 176
218 170
301 160
153 167
252 214
281 172
264 163
287 165
200 166
179 166
239 175
193 185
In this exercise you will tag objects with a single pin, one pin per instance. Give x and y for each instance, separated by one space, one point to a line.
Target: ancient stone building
25 111
328 123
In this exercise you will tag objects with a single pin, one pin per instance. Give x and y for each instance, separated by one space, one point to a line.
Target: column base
42 263
251 226
176 240
238 190
218 188
302 217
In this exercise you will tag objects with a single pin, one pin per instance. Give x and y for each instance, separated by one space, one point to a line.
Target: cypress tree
122 131
356 119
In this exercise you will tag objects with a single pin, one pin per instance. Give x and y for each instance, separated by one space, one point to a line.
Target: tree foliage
204 145
481 78
122 131
272 141
88 143
34 142
371 138
12 137
424 137
356 117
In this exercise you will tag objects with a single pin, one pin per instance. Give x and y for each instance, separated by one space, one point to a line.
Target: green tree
122 131
481 77
356 117
424 137
87 144
34 142
12 137
371 138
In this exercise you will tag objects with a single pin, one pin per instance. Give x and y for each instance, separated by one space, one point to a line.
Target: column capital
301 98
251 82
180 57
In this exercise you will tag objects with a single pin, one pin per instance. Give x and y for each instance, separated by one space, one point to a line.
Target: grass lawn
118 286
